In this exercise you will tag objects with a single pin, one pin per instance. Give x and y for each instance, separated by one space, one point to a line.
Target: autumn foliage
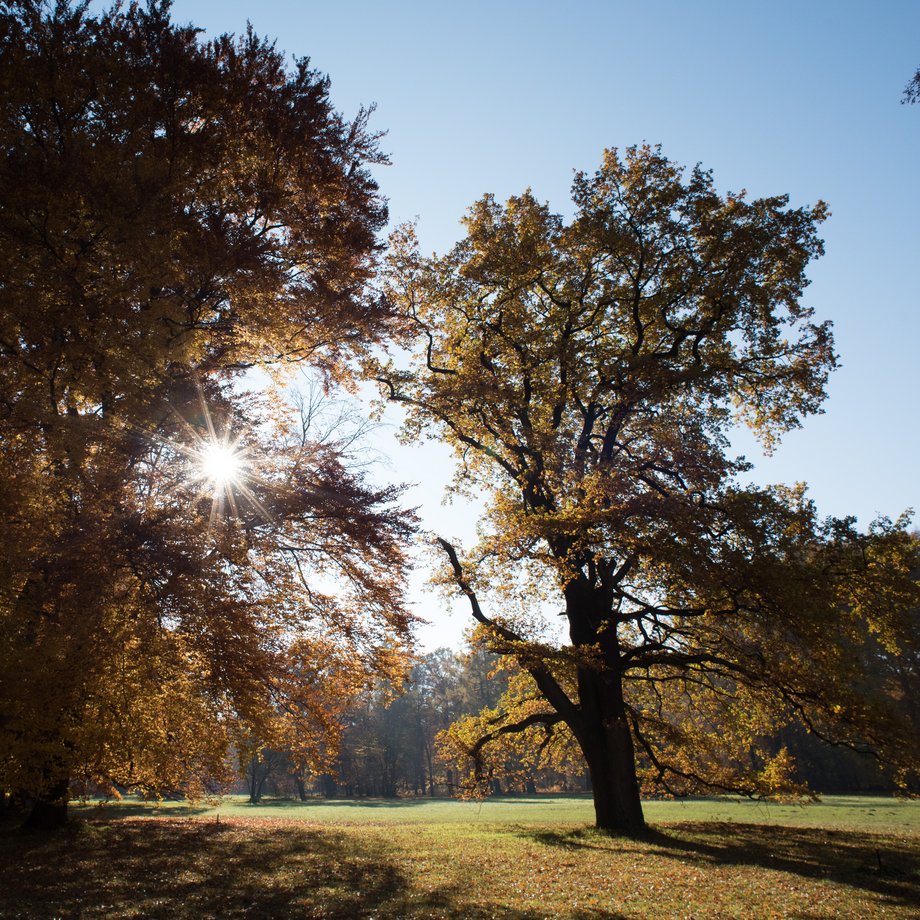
173 213
588 374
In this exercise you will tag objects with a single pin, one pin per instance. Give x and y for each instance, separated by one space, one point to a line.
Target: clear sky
796 97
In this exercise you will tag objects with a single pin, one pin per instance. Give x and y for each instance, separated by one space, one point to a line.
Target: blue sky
796 97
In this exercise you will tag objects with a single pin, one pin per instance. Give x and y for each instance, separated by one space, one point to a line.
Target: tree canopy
588 374
172 213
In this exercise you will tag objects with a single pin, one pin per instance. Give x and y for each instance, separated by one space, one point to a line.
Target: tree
172 214
588 374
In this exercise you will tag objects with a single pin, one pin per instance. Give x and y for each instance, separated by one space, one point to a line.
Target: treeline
392 745
389 745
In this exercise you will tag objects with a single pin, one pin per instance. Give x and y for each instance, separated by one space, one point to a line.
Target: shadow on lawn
127 808
131 808
408 803
885 865
172 868
293 805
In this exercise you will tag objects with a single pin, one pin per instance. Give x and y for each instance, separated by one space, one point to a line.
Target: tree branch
548 685
537 718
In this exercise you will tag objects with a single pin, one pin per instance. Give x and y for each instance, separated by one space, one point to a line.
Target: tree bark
257 774
610 755
612 767
601 727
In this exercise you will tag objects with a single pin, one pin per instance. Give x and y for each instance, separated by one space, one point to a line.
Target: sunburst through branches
222 467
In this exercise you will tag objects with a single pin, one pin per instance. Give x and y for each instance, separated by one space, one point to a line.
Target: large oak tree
588 374
172 213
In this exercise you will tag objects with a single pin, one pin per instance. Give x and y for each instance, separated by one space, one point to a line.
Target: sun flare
221 464
220 467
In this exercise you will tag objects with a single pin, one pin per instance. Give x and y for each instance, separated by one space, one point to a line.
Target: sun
220 467
220 464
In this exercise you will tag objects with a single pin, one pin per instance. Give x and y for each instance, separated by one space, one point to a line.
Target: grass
509 858
863 812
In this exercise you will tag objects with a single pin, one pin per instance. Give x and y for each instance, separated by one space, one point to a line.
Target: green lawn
508 858
863 812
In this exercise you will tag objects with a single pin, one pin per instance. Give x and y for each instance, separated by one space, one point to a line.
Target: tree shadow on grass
294 804
126 808
399 803
169 868
885 865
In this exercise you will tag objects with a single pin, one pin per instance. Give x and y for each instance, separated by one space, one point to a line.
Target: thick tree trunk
601 726
49 810
606 741
256 776
612 767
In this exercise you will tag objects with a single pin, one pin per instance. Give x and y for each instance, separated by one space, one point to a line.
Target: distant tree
262 765
389 736
588 374
172 213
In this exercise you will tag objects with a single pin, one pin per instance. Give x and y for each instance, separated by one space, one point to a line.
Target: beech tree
588 374
185 568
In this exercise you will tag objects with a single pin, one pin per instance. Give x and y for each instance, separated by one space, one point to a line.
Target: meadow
526 857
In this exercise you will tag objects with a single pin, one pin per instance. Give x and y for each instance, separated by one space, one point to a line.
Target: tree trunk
607 744
617 806
49 810
256 776
430 768
601 727
301 788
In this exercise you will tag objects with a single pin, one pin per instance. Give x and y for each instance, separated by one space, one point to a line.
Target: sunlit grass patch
863 812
